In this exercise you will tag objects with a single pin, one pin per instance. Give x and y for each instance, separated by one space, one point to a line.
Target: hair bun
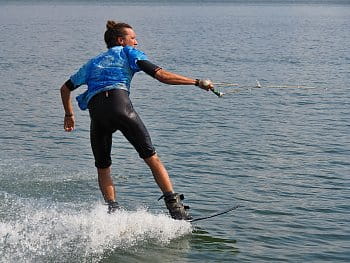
110 24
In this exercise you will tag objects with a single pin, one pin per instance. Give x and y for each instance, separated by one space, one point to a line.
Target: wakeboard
215 214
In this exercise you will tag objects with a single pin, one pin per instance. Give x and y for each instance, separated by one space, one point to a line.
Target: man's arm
172 78
69 121
169 77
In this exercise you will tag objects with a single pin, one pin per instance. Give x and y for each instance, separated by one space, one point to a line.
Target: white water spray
58 233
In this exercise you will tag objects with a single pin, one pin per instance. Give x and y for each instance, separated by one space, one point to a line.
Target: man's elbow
162 76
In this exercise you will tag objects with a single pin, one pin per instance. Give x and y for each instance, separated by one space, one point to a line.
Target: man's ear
120 40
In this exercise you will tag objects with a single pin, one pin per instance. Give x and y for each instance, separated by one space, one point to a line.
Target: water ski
215 214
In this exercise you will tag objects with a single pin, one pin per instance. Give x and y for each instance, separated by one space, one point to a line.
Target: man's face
129 38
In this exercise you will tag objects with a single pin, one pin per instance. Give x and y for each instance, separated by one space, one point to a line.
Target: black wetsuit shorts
111 111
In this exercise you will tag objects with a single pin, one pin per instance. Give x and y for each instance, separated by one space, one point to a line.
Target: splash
39 233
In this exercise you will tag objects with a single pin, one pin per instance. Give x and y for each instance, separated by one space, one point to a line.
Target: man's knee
102 164
149 155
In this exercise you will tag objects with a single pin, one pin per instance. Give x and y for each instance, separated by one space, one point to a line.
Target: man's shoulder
132 51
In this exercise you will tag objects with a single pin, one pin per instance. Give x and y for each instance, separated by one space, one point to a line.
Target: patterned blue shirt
112 69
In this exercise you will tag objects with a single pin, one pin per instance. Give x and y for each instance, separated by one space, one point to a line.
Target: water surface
281 153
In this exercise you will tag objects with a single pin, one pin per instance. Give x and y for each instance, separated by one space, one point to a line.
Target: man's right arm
69 121
167 77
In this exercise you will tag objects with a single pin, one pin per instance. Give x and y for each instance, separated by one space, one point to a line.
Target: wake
37 232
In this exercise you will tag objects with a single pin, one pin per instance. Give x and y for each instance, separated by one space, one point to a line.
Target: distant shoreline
169 2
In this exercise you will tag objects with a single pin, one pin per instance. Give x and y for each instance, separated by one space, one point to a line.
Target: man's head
119 34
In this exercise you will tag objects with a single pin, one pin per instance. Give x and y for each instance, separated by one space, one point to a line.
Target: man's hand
69 123
205 84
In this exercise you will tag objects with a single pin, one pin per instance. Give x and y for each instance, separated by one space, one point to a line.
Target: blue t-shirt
112 69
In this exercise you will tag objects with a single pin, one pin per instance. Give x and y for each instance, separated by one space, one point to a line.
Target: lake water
281 153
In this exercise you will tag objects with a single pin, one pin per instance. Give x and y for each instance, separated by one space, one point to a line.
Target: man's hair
114 30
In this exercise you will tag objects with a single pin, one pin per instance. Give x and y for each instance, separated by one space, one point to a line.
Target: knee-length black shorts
111 111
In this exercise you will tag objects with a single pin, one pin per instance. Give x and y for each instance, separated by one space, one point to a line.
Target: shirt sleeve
148 67
69 84
133 56
81 76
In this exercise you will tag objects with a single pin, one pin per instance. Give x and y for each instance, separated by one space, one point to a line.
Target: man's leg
107 188
105 182
160 174
172 200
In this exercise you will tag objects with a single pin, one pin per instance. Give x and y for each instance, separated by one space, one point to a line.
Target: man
108 78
